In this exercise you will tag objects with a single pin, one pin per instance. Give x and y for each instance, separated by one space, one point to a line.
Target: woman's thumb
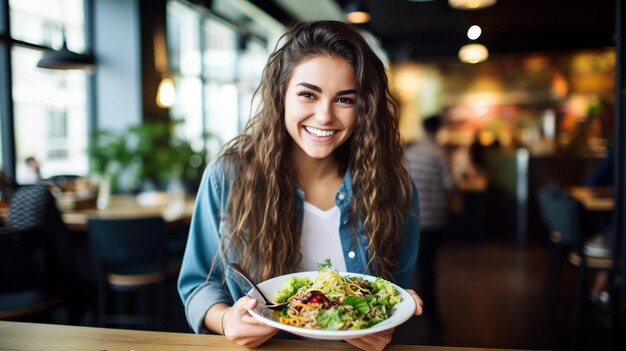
244 304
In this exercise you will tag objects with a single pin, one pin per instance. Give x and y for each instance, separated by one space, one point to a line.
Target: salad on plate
334 301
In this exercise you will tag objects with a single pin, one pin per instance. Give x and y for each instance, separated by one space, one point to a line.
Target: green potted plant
147 155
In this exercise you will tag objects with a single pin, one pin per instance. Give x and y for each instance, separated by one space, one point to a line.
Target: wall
118 73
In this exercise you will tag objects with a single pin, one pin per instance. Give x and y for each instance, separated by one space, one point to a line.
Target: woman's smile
322 134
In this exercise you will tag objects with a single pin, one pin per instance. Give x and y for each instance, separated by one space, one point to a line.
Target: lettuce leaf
359 303
292 285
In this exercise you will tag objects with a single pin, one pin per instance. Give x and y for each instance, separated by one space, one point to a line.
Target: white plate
401 311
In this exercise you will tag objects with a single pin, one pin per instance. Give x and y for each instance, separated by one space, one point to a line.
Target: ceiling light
166 93
356 12
65 59
470 4
474 32
473 53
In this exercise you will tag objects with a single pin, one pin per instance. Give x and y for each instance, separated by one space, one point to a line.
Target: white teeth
319 132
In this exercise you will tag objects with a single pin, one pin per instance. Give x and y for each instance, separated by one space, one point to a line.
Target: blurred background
133 98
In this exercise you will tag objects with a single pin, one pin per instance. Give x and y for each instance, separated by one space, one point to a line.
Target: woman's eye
306 94
345 100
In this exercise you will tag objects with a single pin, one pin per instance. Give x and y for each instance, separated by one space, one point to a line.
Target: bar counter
30 337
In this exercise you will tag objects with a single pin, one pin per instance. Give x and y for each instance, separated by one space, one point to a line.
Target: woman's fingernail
251 303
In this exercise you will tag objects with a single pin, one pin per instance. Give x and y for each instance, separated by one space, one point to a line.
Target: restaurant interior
110 110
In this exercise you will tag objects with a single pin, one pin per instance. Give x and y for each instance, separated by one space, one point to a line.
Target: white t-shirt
320 238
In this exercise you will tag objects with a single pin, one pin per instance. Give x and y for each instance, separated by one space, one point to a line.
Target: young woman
317 173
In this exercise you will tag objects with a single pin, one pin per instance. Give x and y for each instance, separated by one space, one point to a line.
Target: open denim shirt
200 291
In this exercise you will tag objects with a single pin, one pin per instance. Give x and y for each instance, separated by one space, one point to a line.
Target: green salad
331 301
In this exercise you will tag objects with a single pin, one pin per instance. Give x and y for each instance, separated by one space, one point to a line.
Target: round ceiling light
473 53
474 32
471 4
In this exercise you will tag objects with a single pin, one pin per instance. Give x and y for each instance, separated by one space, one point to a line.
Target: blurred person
599 244
469 165
6 188
324 140
31 172
427 163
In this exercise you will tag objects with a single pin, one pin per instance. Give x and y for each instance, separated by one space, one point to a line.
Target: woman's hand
373 342
379 341
241 328
419 304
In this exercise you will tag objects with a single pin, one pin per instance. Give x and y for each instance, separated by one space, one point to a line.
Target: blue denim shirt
200 291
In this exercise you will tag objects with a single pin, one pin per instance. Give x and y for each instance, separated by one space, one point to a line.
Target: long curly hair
262 217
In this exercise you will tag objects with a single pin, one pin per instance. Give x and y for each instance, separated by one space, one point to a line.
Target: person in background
427 163
6 187
31 173
598 245
317 173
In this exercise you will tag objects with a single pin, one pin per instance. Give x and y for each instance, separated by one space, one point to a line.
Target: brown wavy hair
262 217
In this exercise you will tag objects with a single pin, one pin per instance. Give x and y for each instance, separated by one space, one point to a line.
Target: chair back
560 213
33 207
127 245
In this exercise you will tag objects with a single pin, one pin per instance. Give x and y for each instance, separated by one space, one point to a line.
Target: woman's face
320 105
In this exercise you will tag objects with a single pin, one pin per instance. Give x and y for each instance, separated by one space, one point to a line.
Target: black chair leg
552 285
579 305
101 308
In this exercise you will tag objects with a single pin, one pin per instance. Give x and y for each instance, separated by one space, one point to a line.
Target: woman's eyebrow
319 90
310 86
346 92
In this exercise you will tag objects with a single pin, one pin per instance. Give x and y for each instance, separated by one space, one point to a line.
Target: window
43 22
49 106
216 68
220 71
183 28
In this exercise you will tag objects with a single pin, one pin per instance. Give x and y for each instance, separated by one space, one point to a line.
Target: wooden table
126 206
593 199
49 337
121 206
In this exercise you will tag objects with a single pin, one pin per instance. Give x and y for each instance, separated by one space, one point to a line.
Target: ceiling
430 29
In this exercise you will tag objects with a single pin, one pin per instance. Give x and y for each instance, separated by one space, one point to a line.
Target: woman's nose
324 113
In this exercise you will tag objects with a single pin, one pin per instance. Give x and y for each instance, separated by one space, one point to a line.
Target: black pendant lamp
356 12
66 59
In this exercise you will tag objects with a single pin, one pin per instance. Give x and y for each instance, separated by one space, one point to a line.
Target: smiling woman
316 174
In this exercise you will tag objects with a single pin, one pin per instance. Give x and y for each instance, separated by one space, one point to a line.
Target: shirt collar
345 188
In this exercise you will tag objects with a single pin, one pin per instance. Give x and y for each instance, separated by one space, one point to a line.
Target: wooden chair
563 216
27 284
131 263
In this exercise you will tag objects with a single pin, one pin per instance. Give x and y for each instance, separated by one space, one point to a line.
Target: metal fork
268 303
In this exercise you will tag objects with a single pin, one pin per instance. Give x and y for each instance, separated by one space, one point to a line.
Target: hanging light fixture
474 32
66 59
473 53
166 93
356 12
471 4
